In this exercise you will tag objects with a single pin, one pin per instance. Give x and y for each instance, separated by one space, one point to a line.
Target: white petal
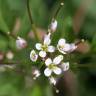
61 42
47 72
72 47
51 48
57 70
61 50
38 46
53 26
42 54
58 59
47 39
52 80
65 66
48 62
33 56
66 47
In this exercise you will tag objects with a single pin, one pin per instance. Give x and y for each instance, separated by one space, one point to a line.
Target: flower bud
21 43
65 66
53 26
9 55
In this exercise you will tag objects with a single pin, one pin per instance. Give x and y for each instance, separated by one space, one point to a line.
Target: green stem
31 21
57 11
12 35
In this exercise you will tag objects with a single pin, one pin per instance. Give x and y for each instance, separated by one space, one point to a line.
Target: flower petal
66 47
57 70
48 62
42 54
38 46
61 50
65 66
72 47
33 56
61 42
51 48
47 72
47 39
58 59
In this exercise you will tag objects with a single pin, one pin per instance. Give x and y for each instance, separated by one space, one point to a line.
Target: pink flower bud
53 26
21 43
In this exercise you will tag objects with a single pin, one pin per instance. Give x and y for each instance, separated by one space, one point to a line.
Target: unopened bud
53 26
9 55
21 43
62 4
57 91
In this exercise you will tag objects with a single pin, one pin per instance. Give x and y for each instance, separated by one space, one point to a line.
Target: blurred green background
76 20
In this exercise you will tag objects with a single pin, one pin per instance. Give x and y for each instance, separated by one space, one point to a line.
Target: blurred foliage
13 83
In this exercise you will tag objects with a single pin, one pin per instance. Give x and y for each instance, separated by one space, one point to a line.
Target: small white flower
52 80
21 43
52 66
36 74
33 56
45 47
64 47
65 66
53 26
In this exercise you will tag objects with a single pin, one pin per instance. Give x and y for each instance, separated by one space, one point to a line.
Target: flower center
52 66
44 47
33 55
61 47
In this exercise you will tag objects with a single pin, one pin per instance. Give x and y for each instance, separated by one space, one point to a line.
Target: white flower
64 47
52 80
53 26
36 74
33 56
45 47
52 66
65 66
21 43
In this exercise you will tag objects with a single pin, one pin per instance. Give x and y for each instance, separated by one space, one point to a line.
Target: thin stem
82 40
56 13
13 36
31 21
